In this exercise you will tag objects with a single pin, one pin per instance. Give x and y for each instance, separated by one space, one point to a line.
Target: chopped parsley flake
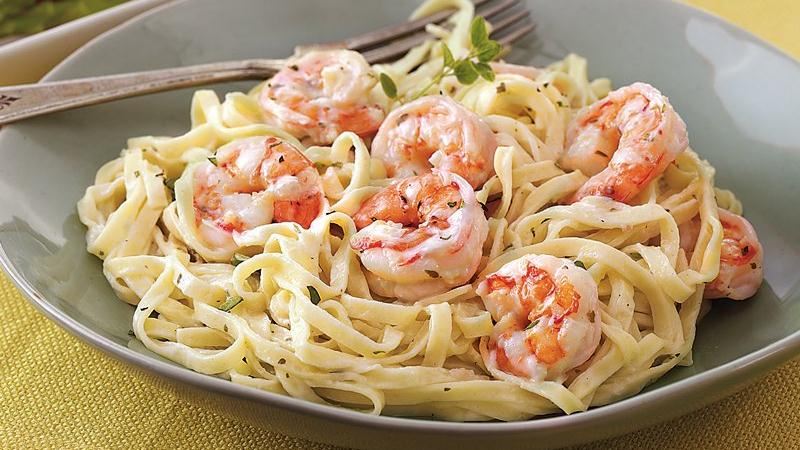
313 295
230 303
238 258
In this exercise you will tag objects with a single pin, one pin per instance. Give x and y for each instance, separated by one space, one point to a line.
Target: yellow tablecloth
49 401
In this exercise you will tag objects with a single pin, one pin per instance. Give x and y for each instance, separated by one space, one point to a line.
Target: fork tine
504 22
516 33
399 47
391 32
492 9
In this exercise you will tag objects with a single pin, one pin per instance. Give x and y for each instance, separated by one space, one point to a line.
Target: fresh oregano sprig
467 70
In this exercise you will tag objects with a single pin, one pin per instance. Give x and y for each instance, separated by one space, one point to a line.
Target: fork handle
31 100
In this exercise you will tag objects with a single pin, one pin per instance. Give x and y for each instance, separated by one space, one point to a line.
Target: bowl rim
740 371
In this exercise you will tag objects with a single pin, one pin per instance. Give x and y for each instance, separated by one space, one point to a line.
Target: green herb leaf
238 258
449 61
477 31
230 303
314 295
432 273
212 160
452 204
389 88
488 51
532 324
465 72
485 71
580 264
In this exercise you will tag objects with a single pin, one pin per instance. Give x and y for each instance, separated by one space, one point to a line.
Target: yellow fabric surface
48 401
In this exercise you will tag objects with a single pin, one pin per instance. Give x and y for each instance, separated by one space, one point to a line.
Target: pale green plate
739 96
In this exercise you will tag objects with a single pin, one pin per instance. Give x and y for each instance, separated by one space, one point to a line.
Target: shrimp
623 142
547 317
436 131
321 94
255 181
420 236
741 259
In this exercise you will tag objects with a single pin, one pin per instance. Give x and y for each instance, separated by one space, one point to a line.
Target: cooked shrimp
623 142
436 131
741 257
255 181
321 94
547 317
420 236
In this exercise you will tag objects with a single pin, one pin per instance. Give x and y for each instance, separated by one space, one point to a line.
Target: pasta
292 308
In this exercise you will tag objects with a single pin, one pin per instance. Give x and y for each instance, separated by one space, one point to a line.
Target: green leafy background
18 17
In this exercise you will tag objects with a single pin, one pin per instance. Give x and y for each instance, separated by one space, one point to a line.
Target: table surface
48 401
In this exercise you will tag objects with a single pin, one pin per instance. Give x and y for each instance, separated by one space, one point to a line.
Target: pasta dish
447 236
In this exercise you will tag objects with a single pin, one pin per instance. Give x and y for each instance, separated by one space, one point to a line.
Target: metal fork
508 19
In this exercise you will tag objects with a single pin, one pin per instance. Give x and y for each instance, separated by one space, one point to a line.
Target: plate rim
741 371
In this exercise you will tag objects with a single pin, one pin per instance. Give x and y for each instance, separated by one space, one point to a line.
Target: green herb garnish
580 264
388 86
467 70
313 295
432 273
212 160
238 258
230 303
